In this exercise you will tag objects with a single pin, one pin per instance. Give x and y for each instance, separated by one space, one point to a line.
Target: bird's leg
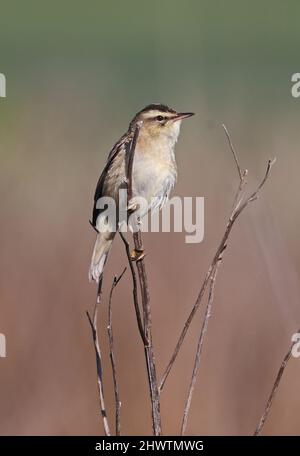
138 254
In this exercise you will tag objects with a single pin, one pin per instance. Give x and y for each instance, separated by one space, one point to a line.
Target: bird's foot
137 254
132 207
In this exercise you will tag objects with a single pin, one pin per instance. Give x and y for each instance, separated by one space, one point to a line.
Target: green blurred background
76 74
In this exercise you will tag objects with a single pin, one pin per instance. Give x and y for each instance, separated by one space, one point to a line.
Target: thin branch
112 354
274 389
149 353
242 174
233 152
238 208
146 334
199 347
93 323
134 290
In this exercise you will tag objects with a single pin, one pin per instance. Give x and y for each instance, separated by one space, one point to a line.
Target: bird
154 172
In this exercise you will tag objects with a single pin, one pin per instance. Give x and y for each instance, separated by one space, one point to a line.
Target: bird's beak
183 115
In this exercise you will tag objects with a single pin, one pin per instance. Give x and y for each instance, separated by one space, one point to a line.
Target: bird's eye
160 118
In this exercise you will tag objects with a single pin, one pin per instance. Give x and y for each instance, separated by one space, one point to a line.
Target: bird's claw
137 254
132 207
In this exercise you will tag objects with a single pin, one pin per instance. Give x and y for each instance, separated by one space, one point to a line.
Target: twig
238 208
146 334
274 389
199 348
242 174
134 290
152 377
112 355
93 324
233 152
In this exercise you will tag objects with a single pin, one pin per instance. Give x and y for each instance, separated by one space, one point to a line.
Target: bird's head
160 121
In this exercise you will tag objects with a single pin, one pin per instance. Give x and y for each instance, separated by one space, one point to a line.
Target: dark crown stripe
159 107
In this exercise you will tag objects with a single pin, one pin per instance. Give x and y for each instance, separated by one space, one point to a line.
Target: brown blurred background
76 74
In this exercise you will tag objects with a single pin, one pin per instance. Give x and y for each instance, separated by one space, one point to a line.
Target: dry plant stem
147 331
233 152
93 323
239 205
112 354
149 353
274 389
147 347
199 348
134 290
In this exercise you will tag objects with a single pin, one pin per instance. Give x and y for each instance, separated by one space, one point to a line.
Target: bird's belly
153 180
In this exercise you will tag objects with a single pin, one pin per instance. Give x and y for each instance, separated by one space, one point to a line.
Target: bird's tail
101 249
